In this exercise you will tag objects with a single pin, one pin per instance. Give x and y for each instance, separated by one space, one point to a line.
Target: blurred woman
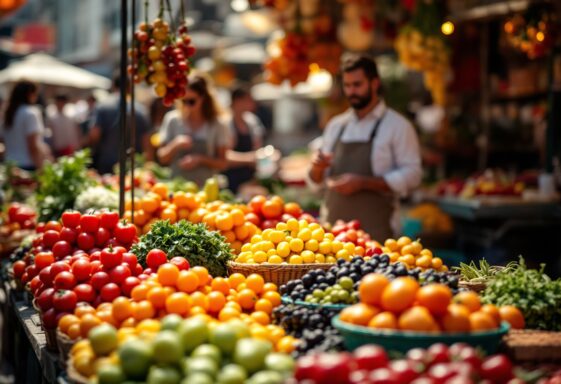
193 140
23 130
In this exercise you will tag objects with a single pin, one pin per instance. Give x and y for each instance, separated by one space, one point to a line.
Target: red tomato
24 214
45 299
12 211
110 258
18 268
35 284
119 274
68 235
99 279
85 292
96 266
32 271
370 357
138 269
130 259
269 224
61 249
109 220
58 267
49 319
50 237
109 292
65 300
148 271
24 278
53 225
253 218
497 369
124 233
155 258
71 219
180 262
44 259
64 280
142 276
40 228
85 241
129 283
89 223
82 269
45 276
102 236
95 255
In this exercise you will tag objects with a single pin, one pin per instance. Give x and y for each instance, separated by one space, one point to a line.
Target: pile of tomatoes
351 231
19 216
268 212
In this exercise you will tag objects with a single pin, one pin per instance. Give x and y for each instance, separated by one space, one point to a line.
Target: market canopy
45 69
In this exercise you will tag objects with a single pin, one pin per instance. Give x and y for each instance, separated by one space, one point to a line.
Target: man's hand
346 184
182 142
189 162
320 162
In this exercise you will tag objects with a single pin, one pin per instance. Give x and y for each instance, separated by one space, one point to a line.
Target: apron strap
376 126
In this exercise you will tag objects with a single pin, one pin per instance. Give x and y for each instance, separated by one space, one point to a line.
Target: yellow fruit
271 252
416 248
320 258
437 263
260 257
255 239
302 224
349 247
403 241
281 227
296 245
266 245
305 234
277 236
336 246
424 261
325 247
427 252
275 259
329 236
330 260
312 245
407 259
318 234
391 244
283 249
406 250
246 247
343 254
308 257
295 259
266 233
394 256
292 225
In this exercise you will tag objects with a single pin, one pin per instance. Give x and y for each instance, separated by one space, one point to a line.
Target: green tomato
136 357
251 353
208 350
266 377
163 375
279 362
192 333
204 365
232 374
110 374
224 336
103 339
171 322
167 347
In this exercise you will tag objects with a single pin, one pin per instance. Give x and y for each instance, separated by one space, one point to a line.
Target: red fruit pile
20 216
267 213
439 364
162 59
351 232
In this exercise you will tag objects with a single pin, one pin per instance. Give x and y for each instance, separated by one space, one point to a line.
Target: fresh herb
484 272
192 241
97 198
60 183
531 291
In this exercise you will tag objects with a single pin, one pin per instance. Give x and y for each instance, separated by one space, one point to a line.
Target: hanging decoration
290 61
160 54
533 33
421 47
356 31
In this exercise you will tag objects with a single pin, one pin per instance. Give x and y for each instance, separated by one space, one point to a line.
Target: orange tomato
74 331
399 294
247 298
481 321
293 209
160 189
264 305
200 300
140 218
121 309
143 310
197 215
470 299
216 301
66 321
256 203
157 296
456 319
139 292
273 297
492 310
87 322
169 214
270 287
287 344
416 319
228 313
238 217
255 282
434 297
168 274
371 288
513 316
260 317
359 314
235 279
233 304
220 284
183 214
271 209
82 309
383 320
187 281
179 303
224 221
202 273
241 232
149 204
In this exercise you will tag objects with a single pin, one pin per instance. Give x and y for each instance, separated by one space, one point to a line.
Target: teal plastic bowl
336 307
355 336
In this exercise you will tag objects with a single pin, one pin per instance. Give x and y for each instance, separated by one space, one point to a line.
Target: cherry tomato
142 276
50 237
18 268
110 258
89 223
45 276
12 211
65 280
44 259
68 235
180 262
124 233
40 228
109 220
95 255
138 269
45 299
53 225
32 271
35 283
119 274
61 249
82 269
85 241
102 236
49 318
85 292
58 267
109 292
155 258
130 259
129 283
71 219
497 369
99 279
64 300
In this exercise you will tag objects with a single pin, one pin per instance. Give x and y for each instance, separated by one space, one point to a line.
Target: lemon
283 249
295 259
305 234
325 247
275 259
308 256
312 245
296 245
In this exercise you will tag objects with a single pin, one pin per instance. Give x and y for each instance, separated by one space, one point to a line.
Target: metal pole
485 96
123 109
133 112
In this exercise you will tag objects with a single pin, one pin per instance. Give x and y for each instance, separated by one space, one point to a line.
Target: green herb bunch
60 183
484 272
192 241
531 291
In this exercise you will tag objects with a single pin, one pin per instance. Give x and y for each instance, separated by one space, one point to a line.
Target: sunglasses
190 102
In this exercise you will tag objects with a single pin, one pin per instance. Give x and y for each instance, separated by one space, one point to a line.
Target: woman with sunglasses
194 141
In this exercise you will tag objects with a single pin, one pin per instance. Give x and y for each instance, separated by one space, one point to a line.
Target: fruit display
411 253
340 284
488 183
402 304
194 242
160 57
432 218
96 198
268 212
195 350
369 364
17 221
296 242
351 231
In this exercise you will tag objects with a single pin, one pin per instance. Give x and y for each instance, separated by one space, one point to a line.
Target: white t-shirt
64 129
27 121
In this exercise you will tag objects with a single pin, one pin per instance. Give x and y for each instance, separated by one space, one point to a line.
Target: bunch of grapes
161 58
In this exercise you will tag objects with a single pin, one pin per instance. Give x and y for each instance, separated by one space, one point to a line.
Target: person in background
247 134
369 157
193 140
88 116
103 136
23 130
66 137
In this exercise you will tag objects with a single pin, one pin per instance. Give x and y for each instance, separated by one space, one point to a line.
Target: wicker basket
65 344
276 273
475 286
74 376
529 345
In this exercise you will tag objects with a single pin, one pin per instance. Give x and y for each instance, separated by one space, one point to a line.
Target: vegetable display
97 198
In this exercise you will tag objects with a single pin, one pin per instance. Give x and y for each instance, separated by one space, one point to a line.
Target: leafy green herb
192 241
60 183
531 291
484 272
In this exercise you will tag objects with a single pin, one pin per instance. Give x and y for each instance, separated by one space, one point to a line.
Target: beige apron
199 174
373 209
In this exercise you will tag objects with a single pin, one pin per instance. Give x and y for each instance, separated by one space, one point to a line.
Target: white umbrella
45 69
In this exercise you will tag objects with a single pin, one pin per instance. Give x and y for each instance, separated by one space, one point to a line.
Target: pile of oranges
403 304
187 293
296 242
412 254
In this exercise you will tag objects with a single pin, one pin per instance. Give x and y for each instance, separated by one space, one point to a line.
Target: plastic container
337 307
401 341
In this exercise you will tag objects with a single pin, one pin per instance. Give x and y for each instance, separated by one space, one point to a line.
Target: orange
66 321
187 281
200 300
235 279
513 316
87 322
416 319
493 311
247 298
481 321
216 301
371 288
273 297
168 274
228 313
139 292
293 209
157 296
359 314
202 273
456 319
470 299
161 189
122 309
143 310
74 331
272 209
383 320
399 294
179 302
220 284
434 297
270 287
260 317
255 282
264 305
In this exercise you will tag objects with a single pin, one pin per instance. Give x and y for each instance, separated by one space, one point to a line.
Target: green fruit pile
340 293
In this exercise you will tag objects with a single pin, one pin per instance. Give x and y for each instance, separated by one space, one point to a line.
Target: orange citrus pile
412 254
